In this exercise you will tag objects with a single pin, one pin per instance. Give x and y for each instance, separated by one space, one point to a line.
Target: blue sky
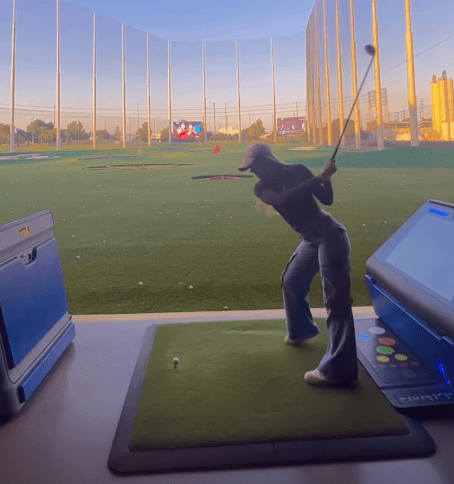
208 20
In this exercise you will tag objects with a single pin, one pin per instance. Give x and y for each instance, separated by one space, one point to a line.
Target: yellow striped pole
238 87
57 119
411 78
95 140
204 94
317 61
339 76
378 104
355 76
13 81
169 93
148 91
328 94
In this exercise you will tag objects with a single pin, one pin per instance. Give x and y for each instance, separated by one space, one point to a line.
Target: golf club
370 49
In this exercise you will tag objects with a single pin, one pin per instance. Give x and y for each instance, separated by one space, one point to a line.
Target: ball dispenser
35 327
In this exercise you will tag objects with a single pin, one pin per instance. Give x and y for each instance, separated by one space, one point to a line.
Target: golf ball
140 283
191 287
176 361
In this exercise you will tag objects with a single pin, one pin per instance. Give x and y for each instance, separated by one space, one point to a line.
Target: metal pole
13 81
378 102
57 126
328 94
274 91
319 93
312 67
308 111
411 78
204 93
148 91
214 117
124 82
339 76
238 88
169 94
355 77
95 140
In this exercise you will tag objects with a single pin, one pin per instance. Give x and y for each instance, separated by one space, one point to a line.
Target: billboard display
189 130
296 125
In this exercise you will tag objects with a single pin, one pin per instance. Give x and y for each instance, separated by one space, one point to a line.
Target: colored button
415 363
385 350
393 365
403 365
383 359
401 357
364 337
376 330
387 341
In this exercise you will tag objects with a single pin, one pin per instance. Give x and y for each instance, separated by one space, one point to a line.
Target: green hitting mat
237 397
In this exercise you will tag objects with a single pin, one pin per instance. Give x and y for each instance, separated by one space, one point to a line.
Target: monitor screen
426 253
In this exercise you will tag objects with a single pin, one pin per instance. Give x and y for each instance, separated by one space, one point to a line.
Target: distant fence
77 72
408 94
66 72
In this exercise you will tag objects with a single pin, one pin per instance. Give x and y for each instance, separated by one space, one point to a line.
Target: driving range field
145 215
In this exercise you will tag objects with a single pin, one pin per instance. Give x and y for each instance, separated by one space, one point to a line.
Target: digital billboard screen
188 130
296 125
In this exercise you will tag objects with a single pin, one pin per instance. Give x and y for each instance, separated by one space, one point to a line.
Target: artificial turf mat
239 383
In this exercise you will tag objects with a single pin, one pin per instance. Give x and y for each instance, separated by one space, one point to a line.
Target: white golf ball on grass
176 361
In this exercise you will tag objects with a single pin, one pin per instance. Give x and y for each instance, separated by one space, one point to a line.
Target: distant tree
117 134
103 135
4 133
221 137
142 133
165 134
257 129
34 129
76 131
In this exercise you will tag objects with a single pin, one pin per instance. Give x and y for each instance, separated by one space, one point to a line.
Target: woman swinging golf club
291 190
325 247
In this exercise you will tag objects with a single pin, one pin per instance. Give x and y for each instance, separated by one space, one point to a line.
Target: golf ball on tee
176 361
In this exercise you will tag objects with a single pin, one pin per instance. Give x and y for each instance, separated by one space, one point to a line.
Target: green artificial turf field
160 226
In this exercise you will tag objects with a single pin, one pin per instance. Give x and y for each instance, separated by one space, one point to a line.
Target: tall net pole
411 77
308 111
148 92
319 89
13 81
205 135
169 92
378 101
312 67
238 87
95 139
339 76
57 119
123 70
274 91
328 94
355 76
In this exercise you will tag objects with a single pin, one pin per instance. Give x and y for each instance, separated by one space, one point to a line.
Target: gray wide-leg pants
329 253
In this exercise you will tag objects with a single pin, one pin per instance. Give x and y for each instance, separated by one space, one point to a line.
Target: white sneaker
300 341
314 377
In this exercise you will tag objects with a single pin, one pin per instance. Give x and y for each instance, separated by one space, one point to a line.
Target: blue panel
32 300
39 372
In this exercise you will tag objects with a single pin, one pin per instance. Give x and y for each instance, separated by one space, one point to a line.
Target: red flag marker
217 149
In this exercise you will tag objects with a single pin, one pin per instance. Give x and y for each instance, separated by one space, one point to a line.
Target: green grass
238 382
162 228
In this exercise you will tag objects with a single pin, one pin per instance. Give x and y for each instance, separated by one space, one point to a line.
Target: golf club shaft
351 111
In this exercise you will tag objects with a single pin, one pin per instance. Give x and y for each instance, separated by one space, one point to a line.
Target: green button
385 350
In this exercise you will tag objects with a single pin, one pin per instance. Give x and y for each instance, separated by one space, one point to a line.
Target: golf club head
370 49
